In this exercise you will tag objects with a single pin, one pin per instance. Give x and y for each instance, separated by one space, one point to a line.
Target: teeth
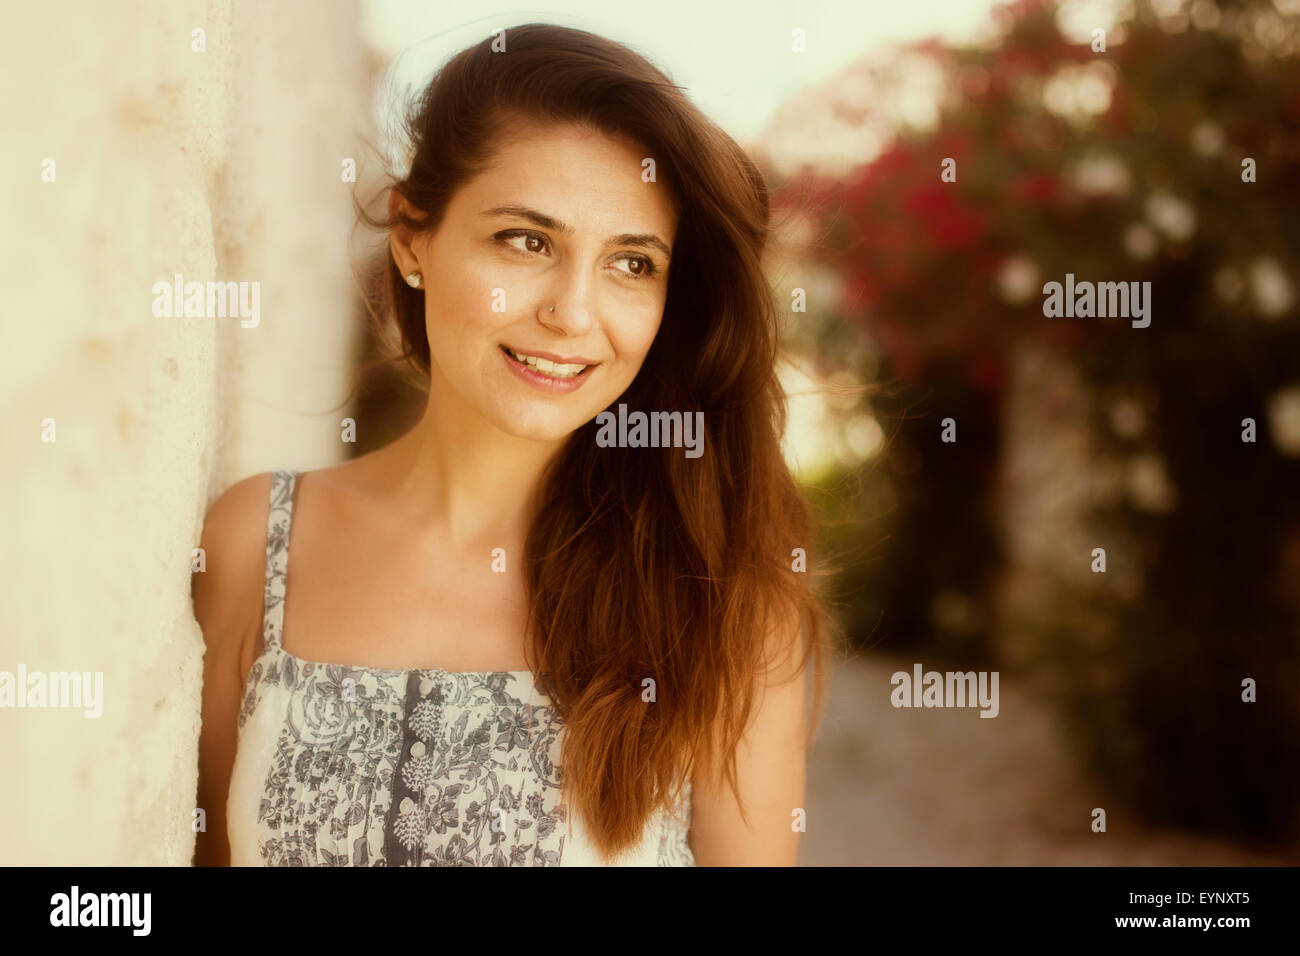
547 367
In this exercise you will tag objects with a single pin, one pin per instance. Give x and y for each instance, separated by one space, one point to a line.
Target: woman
510 639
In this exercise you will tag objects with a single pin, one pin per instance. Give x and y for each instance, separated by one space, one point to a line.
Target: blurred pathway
909 786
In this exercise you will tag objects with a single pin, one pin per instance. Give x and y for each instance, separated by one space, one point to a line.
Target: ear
400 237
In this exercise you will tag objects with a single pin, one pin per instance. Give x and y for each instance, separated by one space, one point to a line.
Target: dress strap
279 518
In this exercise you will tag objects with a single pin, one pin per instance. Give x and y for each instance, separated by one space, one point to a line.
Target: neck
459 475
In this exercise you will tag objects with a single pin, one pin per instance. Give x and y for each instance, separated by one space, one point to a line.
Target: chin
535 427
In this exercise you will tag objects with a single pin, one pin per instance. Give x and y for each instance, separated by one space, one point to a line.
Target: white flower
1271 287
1080 92
1173 216
1101 176
1017 279
1149 486
1140 242
1284 420
1207 138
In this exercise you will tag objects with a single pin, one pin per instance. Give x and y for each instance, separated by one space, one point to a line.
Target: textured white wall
216 165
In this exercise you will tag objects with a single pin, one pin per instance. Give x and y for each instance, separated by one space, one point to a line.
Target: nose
570 297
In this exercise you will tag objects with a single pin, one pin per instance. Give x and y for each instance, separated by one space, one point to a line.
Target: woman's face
562 219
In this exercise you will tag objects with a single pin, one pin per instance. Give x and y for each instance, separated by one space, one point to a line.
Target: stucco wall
223 164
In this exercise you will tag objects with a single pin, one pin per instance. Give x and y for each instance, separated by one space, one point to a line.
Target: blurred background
214 138
1120 690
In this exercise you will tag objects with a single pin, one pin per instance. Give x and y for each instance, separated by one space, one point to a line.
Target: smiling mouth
541 366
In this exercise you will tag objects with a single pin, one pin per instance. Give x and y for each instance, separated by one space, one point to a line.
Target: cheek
461 311
633 336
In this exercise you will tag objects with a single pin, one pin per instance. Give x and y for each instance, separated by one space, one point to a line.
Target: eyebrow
640 240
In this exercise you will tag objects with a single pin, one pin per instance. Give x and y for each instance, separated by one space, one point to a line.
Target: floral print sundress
360 766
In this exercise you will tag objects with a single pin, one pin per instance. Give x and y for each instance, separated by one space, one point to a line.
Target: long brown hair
642 563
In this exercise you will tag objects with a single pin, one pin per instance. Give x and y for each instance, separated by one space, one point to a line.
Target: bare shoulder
228 592
353 477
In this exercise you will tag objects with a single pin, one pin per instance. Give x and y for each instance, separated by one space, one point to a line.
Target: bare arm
770 767
228 607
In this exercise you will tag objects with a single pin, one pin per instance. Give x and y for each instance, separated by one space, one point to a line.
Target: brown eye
511 236
644 268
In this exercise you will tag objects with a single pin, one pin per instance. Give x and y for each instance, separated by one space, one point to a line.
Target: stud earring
413 280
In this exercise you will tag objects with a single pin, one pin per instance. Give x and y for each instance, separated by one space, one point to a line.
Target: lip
551 356
546 383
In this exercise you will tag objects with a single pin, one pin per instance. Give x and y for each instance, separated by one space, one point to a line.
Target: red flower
948 224
1036 188
986 373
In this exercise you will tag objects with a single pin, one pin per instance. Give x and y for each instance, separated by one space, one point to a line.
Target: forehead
580 175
